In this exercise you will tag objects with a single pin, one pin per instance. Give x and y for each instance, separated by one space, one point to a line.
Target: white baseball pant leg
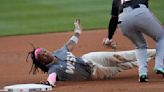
108 64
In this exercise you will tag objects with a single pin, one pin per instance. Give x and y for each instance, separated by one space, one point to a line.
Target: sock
141 56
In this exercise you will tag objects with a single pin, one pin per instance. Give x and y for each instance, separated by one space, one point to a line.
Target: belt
135 6
132 6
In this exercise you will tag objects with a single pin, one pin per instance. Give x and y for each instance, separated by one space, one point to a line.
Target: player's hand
109 43
47 83
77 28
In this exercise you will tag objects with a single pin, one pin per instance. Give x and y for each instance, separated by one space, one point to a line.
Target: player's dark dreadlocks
36 64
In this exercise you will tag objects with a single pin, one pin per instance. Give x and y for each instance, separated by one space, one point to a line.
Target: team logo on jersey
71 60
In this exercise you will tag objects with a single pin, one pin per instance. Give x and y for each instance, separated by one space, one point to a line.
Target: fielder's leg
153 28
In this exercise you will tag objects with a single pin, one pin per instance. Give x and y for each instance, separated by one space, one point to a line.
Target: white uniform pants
108 64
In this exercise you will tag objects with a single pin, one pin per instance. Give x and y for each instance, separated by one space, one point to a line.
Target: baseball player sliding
62 65
135 19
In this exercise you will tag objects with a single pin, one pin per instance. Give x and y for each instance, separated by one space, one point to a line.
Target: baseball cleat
160 71
143 78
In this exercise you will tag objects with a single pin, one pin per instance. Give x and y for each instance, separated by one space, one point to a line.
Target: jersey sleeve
114 18
52 69
115 8
61 53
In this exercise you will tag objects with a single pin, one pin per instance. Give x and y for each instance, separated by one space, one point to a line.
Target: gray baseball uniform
69 67
94 65
134 20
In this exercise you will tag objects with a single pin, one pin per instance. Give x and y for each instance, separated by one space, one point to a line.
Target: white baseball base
27 88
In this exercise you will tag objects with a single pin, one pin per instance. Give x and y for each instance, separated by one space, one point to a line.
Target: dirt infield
14 69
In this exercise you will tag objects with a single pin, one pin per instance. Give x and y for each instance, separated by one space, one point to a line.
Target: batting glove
77 26
109 43
47 83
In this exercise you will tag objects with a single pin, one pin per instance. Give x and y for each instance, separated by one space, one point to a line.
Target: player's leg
158 32
113 58
151 53
105 66
129 64
110 58
151 27
102 72
102 58
129 30
108 64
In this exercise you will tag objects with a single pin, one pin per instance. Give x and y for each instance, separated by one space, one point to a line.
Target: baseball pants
137 22
108 64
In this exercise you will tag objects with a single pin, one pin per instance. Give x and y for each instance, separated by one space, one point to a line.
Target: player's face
45 57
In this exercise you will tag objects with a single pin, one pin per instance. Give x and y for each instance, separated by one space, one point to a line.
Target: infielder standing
62 65
134 19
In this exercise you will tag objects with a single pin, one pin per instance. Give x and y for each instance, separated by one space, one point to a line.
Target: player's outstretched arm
74 39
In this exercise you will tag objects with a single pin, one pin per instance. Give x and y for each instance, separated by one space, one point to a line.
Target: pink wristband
52 78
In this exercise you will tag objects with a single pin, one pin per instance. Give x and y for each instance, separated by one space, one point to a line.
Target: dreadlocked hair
36 65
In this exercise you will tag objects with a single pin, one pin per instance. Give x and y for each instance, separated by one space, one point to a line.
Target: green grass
157 7
21 17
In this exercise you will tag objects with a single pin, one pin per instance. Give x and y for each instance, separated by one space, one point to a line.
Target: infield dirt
15 70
